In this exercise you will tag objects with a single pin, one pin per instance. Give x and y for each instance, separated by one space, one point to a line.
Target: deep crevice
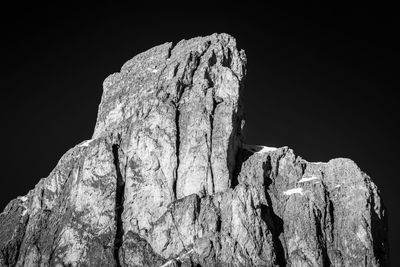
207 76
320 237
180 89
322 231
177 147
212 60
211 118
170 49
219 223
119 205
227 60
332 218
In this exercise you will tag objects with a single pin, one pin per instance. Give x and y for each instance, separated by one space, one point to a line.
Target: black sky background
322 80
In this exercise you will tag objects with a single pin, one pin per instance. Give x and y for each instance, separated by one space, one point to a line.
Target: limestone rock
322 214
167 181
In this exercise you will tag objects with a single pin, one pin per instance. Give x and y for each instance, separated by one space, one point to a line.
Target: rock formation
166 180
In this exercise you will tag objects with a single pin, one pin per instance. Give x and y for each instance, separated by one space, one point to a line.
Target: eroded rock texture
167 181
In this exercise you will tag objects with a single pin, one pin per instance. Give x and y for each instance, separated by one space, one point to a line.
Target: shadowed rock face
166 181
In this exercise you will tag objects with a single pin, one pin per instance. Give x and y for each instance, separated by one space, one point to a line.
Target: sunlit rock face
167 181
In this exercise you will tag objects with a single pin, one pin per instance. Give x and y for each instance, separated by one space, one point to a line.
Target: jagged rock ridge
167 181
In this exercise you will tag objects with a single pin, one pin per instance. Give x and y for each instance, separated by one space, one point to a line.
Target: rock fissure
169 53
210 145
321 239
119 205
177 150
271 218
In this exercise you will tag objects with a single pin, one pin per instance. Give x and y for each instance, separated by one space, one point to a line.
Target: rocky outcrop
322 214
167 181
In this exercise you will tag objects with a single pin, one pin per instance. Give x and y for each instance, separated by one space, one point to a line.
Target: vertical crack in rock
325 224
179 92
329 211
210 82
328 223
177 147
169 54
211 118
119 205
227 59
219 223
332 217
321 239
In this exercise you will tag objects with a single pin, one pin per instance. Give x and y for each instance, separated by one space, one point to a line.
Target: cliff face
167 181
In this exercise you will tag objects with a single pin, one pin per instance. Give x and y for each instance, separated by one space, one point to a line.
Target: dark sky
321 80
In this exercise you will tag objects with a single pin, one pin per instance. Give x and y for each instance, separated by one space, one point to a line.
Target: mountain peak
167 181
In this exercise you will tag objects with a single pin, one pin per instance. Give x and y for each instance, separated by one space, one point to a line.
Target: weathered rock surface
167 181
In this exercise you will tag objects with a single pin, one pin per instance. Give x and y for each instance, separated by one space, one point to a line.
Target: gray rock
322 213
167 181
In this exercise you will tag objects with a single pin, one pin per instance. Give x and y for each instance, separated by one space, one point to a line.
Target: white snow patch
259 149
178 258
310 178
85 143
266 149
337 186
293 191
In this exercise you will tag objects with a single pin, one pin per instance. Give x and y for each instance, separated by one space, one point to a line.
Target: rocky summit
166 180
